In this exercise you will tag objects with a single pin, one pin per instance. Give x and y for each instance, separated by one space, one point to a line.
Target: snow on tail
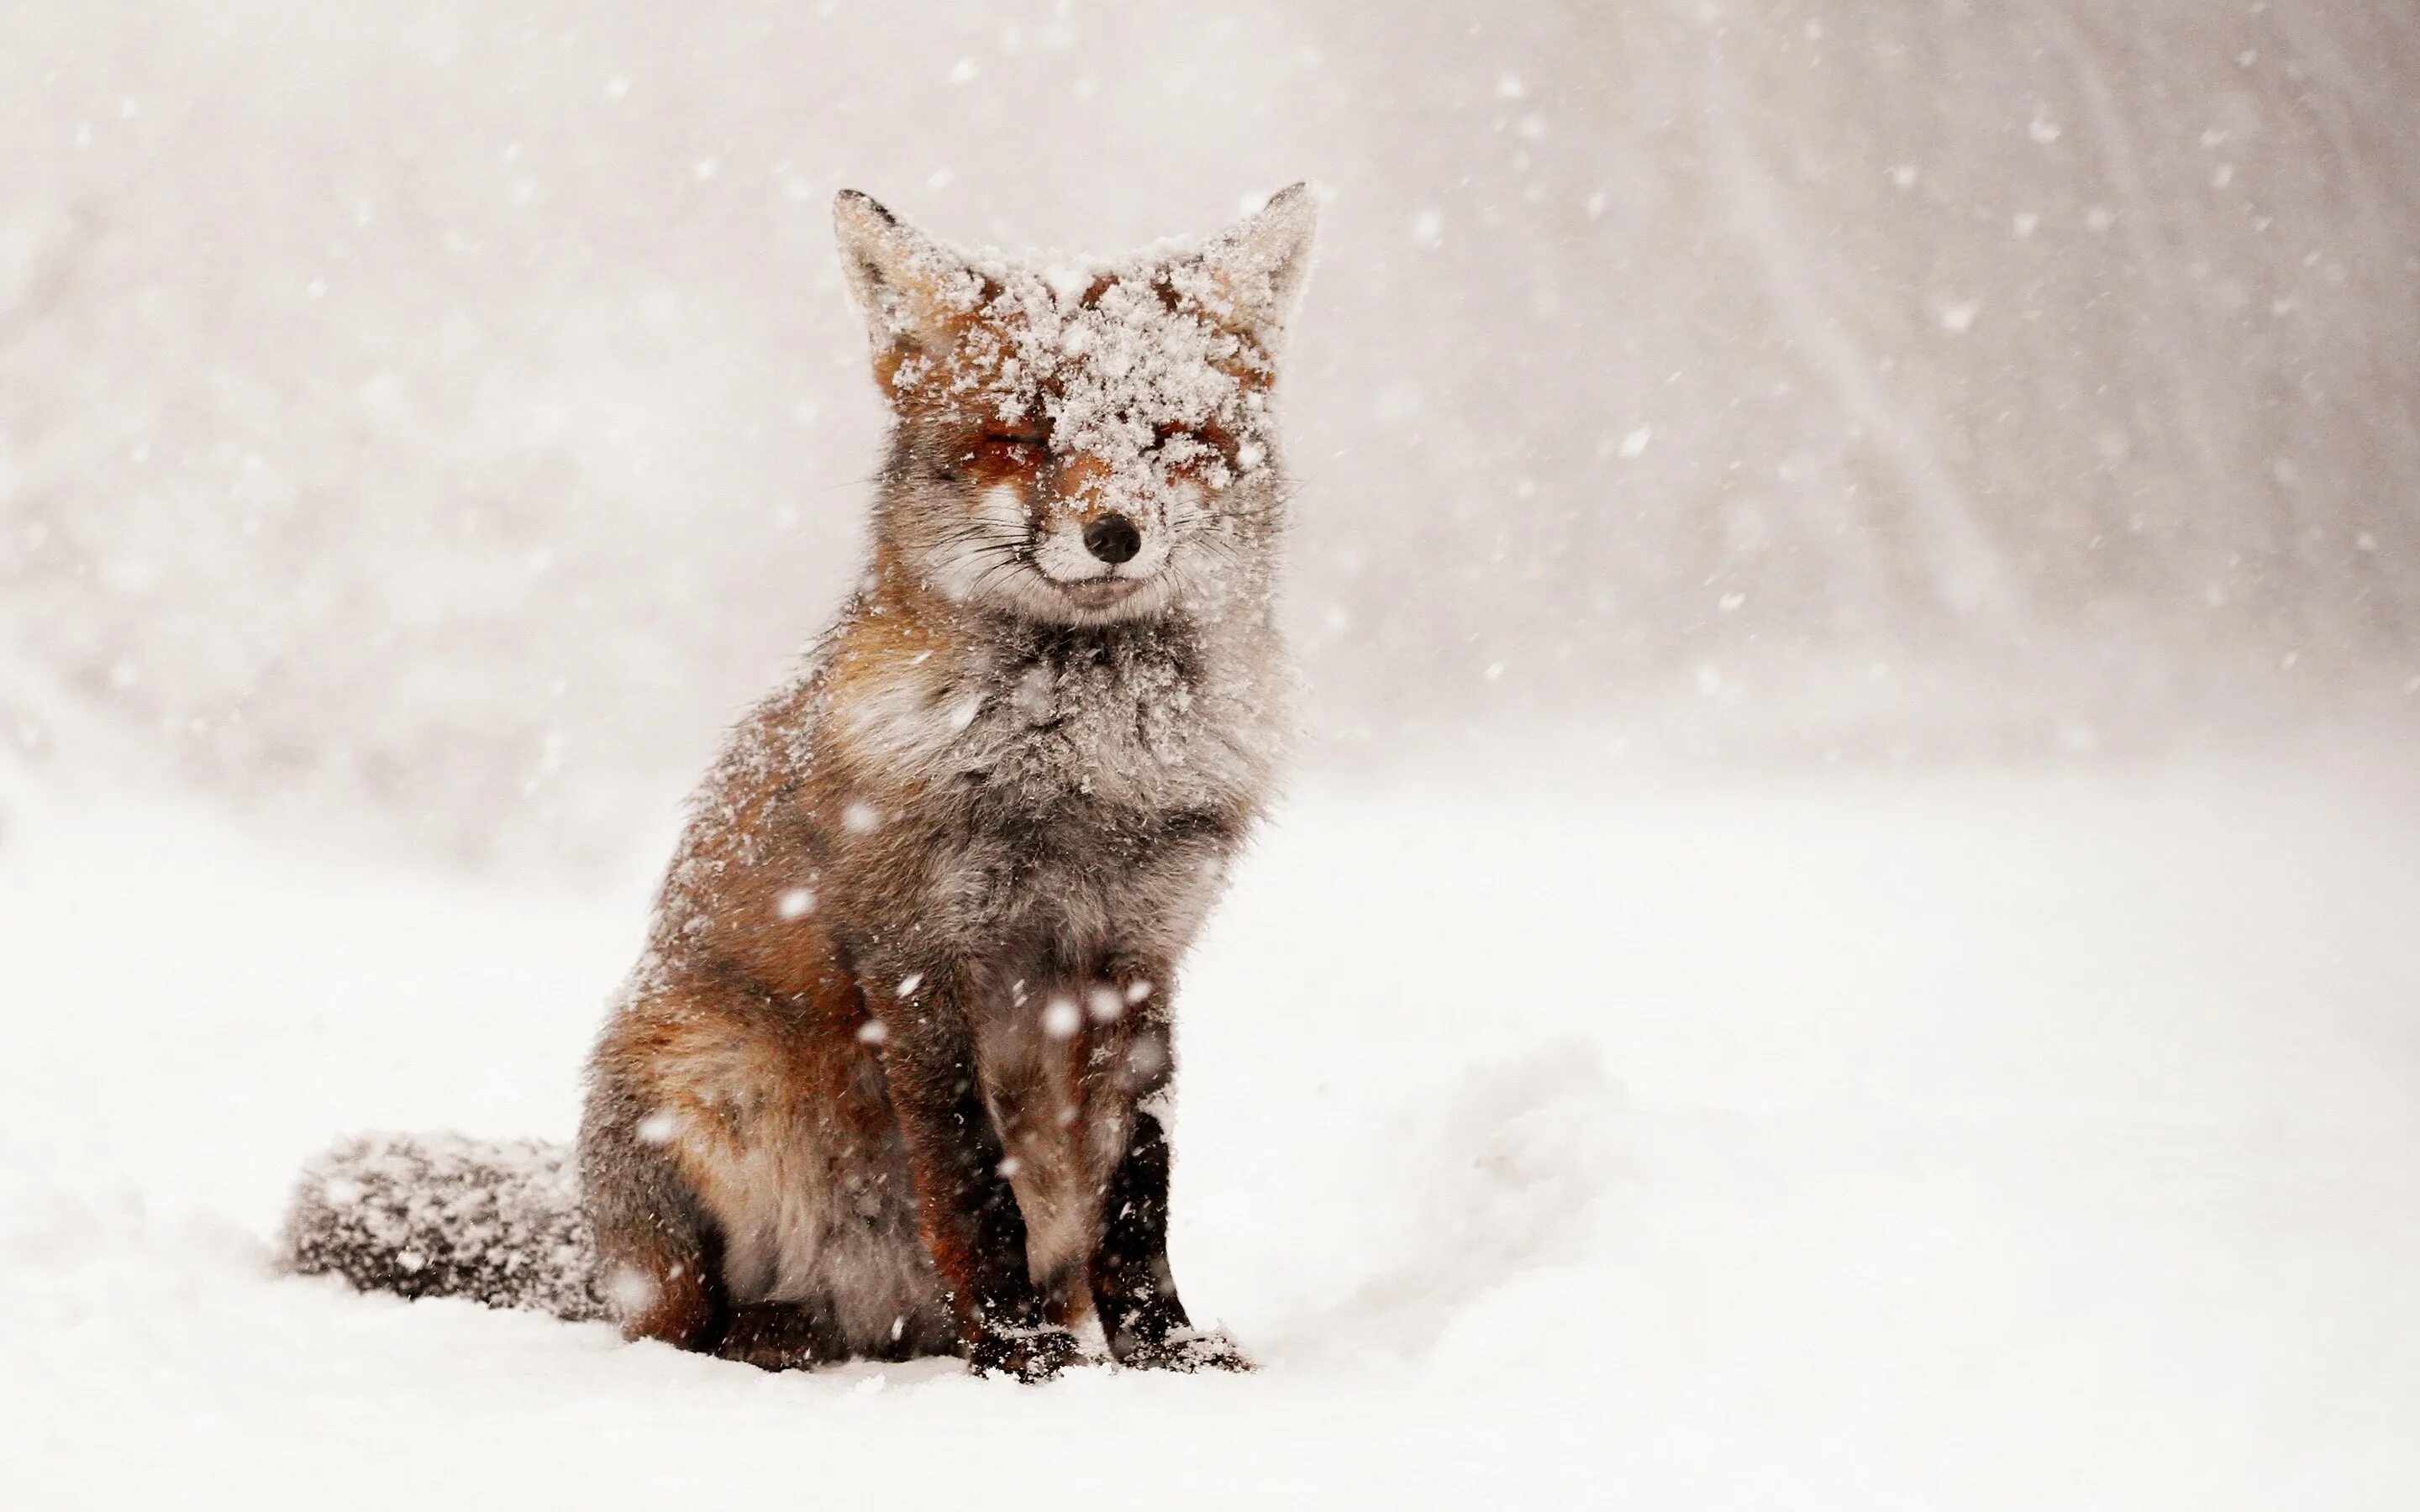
440 1215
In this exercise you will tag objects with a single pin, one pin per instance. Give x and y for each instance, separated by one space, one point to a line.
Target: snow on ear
1262 262
906 285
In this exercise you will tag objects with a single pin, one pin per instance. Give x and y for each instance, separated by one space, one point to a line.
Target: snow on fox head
1084 442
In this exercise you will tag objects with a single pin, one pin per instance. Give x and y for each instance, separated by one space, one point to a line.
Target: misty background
442 419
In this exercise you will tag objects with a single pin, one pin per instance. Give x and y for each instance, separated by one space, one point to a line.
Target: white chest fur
1130 722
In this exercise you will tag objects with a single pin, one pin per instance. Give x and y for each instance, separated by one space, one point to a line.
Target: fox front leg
1134 1291
966 1212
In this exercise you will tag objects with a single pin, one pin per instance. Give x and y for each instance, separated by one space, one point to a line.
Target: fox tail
440 1215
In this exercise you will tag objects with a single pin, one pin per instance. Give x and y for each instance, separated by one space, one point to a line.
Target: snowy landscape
1841 937
1983 1140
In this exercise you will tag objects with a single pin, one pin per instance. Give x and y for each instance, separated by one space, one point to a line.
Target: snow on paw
1187 1352
1030 1354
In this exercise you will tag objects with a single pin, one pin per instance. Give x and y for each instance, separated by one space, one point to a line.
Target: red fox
890 1078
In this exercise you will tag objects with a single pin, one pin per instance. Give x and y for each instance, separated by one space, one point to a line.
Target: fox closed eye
1190 447
1015 451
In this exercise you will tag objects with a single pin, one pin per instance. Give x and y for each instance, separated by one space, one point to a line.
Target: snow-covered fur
890 1078
440 1215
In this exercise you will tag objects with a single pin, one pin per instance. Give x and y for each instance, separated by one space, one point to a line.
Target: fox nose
1113 539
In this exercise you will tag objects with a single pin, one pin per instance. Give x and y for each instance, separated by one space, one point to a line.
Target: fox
892 1076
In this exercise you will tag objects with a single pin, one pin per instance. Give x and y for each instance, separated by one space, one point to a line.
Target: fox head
1086 444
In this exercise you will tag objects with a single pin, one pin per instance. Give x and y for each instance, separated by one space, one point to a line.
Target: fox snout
1099 541
1110 527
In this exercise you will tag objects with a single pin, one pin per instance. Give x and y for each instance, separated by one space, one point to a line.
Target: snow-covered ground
1953 1140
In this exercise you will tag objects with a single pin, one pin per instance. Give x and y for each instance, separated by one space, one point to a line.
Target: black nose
1113 539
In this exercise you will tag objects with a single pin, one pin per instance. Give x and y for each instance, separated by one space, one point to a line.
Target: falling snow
1061 1018
1838 942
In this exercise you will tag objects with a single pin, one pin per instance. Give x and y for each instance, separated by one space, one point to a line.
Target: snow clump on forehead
1169 354
1119 361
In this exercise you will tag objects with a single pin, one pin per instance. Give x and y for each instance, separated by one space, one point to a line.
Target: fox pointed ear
907 286
1260 264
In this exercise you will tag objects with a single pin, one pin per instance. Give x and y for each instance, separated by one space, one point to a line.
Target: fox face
1080 444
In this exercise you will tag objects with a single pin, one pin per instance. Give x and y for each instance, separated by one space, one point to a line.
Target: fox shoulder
831 752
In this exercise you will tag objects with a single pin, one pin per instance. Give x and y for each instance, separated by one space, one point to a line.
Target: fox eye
1018 448
1012 448
1190 443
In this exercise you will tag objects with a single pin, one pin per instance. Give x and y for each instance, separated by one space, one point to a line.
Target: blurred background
438 420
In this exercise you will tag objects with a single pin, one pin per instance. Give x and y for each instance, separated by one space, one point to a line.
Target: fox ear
1260 263
906 285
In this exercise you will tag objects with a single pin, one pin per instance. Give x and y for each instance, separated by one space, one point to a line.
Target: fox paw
1030 1354
1187 1352
775 1336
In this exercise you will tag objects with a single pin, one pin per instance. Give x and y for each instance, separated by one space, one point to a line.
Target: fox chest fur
1054 793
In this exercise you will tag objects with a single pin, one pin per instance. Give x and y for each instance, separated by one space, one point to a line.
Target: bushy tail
440 1215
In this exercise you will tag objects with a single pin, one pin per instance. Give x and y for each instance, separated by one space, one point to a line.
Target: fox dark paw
1187 1352
1030 1354
775 1338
